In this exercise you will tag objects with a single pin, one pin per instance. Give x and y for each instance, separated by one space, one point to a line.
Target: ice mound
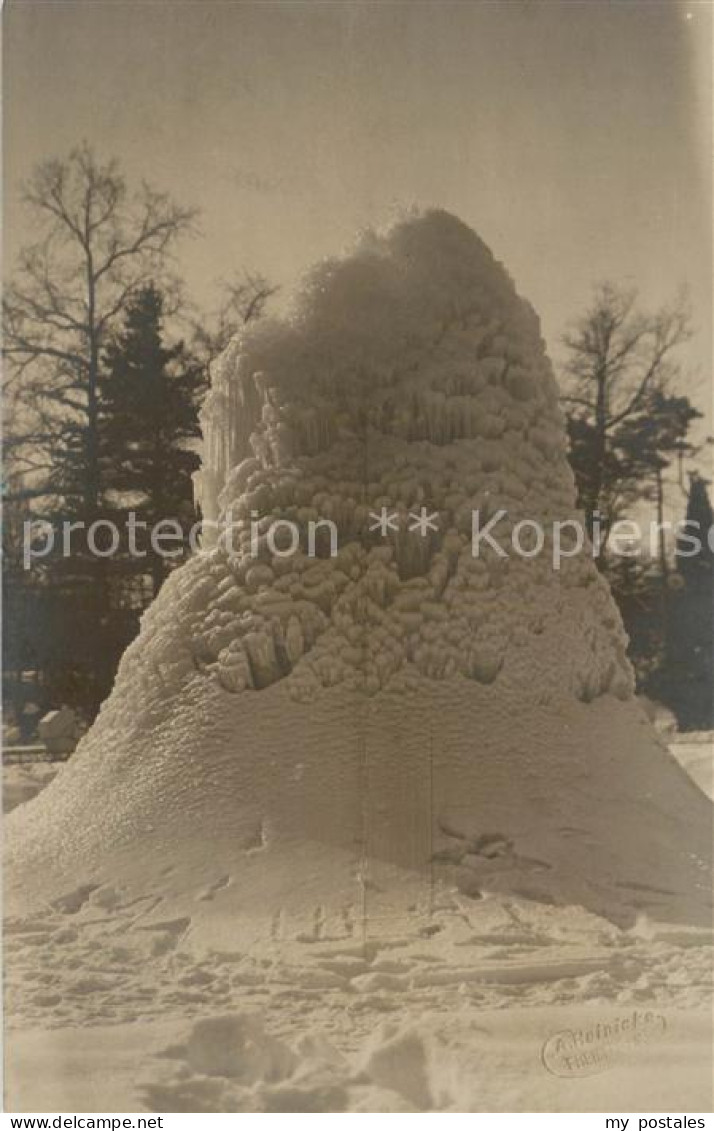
316 745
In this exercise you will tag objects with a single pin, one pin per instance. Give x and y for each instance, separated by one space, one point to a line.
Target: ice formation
466 720
412 376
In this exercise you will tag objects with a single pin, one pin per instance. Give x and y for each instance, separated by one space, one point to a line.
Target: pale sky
574 137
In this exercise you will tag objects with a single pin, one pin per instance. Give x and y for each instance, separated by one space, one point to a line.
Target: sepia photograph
358 561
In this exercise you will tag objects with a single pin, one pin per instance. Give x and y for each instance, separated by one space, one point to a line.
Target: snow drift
331 744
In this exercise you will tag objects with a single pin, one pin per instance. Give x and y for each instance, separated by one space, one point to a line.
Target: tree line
102 394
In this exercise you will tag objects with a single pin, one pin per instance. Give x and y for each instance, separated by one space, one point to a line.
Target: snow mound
317 746
254 1072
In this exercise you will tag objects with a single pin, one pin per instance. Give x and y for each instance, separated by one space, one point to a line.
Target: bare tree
97 245
620 364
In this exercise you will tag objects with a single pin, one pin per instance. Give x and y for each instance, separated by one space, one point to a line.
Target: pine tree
149 428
